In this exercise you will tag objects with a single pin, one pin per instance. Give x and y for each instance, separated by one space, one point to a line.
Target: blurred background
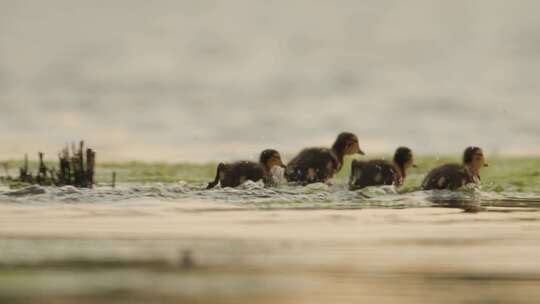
210 80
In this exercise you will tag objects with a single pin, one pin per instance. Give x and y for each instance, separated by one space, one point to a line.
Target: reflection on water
467 206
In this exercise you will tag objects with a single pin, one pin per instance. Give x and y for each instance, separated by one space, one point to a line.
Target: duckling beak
486 165
414 166
361 152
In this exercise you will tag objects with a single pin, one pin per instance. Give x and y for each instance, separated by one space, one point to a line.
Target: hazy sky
207 80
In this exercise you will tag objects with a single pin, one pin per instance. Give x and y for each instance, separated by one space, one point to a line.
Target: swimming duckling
235 174
381 172
313 165
453 176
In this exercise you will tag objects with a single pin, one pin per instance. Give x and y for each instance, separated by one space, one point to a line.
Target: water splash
255 195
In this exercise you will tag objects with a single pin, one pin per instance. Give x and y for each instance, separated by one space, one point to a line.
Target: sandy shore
236 254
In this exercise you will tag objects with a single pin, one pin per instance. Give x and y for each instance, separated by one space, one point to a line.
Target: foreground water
176 243
256 196
173 242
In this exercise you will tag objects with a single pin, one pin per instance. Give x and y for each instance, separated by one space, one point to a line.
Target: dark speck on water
186 259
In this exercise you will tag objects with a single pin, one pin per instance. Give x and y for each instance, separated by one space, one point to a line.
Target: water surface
173 241
209 80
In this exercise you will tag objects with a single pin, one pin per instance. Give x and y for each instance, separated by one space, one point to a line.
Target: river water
208 80
177 243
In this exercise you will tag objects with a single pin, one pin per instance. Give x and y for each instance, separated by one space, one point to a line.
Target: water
317 244
171 242
178 80
255 195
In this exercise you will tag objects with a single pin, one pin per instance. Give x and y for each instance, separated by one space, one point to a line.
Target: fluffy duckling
313 165
235 174
381 172
453 176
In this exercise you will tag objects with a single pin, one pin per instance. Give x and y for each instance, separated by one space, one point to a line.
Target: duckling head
404 158
347 144
270 158
473 157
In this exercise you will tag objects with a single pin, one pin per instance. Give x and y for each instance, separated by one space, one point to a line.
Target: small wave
257 196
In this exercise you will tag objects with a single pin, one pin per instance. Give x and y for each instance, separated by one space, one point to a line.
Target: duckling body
380 172
374 173
314 165
235 174
454 176
448 176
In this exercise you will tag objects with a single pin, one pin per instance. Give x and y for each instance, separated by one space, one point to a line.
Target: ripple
318 196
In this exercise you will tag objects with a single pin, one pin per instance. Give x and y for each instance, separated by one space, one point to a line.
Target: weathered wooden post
90 164
42 170
23 172
82 172
73 168
65 175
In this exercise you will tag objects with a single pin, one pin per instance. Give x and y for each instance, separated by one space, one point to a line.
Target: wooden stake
90 164
42 170
76 168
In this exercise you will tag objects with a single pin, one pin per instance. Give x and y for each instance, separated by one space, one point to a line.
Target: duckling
381 172
313 165
453 176
235 174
